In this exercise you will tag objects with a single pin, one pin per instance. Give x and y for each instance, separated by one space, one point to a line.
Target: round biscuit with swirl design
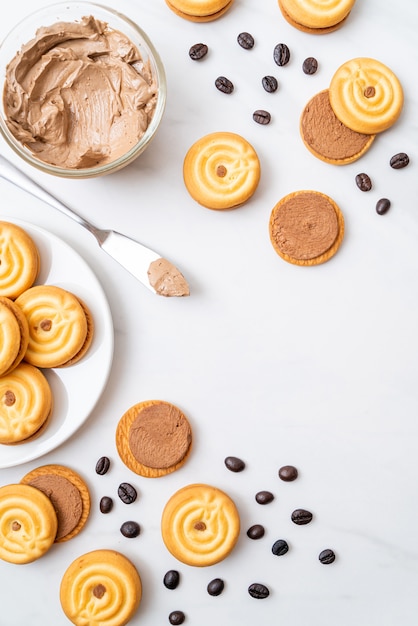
19 260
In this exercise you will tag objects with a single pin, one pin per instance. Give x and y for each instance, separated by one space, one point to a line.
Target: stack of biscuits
41 326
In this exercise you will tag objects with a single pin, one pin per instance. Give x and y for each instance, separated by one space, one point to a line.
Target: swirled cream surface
79 94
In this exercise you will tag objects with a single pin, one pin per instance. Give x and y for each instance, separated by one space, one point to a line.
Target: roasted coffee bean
280 547
310 65
264 497
106 504
301 517
281 54
258 591
198 51
327 556
215 587
288 473
270 83
400 160
171 579
130 529
261 117
102 465
224 84
256 531
246 41
234 464
127 493
176 617
382 206
363 182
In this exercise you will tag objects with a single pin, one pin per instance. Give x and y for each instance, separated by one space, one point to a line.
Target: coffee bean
310 65
224 85
171 579
106 504
280 547
288 473
176 617
327 556
264 497
246 41
127 493
258 591
234 464
256 531
281 54
102 465
382 206
215 587
262 117
130 529
198 51
301 517
270 83
363 182
400 160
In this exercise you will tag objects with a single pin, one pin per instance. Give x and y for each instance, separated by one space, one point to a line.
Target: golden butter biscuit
366 96
306 228
14 335
88 340
199 10
28 523
154 438
102 587
326 137
25 403
221 170
317 17
19 260
57 325
68 493
200 525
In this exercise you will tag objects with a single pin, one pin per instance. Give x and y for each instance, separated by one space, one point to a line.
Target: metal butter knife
152 270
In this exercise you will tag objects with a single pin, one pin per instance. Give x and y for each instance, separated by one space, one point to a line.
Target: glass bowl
149 64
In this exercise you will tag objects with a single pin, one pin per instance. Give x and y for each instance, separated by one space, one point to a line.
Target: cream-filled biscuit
19 260
14 335
199 10
316 16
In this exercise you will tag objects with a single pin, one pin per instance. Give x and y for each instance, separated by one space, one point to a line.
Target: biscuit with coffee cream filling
200 525
19 260
102 587
14 335
28 523
316 17
199 10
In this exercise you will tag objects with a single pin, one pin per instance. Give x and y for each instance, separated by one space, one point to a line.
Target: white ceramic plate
76 389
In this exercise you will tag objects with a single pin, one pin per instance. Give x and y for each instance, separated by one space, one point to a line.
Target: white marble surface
273 363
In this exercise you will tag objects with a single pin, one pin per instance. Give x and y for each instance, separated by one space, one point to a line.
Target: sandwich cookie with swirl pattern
19 260
199 10
14 335
316 17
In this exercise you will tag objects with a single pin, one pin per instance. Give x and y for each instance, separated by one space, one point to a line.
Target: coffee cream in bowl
84 90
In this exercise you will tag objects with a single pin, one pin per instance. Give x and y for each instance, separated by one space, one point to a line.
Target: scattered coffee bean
382 206
281 54
264 497
215 587
288 473
246 41
261 117
171 579
258 591
224 85
234 464
198 51
363 182
400 160
327 556
310 65
106 504
127 493
270 83
102 465
280 547
301 517
130 529
256 531
176 617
